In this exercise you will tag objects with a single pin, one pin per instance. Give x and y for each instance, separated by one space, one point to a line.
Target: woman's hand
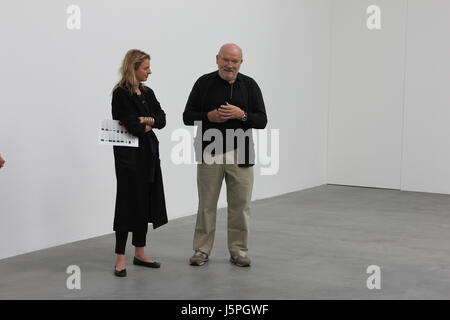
147 120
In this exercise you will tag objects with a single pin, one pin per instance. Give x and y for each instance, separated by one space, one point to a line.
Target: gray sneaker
240 261
198 259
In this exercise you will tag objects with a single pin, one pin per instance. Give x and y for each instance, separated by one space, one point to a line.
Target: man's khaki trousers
239 184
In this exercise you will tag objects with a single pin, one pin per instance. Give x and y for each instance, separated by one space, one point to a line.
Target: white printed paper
113 134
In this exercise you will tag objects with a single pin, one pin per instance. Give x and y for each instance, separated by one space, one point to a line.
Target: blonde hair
130 64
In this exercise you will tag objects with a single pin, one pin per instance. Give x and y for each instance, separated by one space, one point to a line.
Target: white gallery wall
390 96
426 152
366 94
58 184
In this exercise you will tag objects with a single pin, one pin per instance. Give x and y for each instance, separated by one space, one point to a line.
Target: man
224 101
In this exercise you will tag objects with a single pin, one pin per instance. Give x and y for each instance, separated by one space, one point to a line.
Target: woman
140 193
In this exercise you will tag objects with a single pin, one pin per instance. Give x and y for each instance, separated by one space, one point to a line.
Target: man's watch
244 117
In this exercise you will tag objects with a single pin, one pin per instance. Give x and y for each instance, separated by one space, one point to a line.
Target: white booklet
113 134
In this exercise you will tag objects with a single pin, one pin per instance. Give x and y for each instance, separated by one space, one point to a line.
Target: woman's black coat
140 191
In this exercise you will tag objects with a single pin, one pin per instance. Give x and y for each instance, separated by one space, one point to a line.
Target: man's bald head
229 60
230 48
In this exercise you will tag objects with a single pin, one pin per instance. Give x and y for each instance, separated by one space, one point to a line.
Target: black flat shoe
138 262
121 273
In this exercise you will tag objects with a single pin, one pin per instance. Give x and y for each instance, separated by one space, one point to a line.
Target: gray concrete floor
311 244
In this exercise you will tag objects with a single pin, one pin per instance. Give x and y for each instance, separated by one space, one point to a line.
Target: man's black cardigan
209 92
